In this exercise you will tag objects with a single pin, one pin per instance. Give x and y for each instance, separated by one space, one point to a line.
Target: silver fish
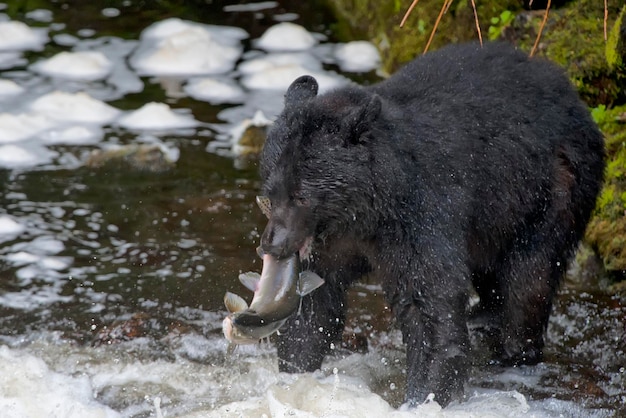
277 294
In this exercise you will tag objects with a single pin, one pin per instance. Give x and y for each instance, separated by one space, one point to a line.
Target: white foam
279 78
46 244
170 27
21 258
251 7
17 36
72 135
286 36
9 227
357 56
177 47
82 65
343 396
278 71
199 381
40 15
215 91
269 61
156 116
74 107
9 88
34 297
13 156
55 263
33 390
11 59
18 127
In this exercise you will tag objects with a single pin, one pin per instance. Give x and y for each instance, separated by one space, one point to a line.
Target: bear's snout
276 241
285 234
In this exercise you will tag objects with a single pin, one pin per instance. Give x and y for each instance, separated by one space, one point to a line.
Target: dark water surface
113 254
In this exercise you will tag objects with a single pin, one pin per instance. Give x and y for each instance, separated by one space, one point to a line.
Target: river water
122 226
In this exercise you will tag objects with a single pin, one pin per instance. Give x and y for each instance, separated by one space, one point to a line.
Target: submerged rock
249 136
144 157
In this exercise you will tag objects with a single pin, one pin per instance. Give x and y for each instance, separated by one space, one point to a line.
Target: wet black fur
468 167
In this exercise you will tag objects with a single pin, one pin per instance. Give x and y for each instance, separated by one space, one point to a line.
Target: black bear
471 166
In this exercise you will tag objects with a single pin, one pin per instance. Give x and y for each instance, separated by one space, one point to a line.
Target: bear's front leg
307 335
431 311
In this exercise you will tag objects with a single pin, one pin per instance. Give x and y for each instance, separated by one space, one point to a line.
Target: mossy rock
607 230
153 158
574 38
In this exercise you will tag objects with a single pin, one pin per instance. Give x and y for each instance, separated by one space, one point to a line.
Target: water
114 259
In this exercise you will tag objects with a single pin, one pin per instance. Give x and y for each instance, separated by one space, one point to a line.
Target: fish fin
309 281
250 280
234 303
231 349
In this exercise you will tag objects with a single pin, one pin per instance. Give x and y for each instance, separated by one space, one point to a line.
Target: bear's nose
275 241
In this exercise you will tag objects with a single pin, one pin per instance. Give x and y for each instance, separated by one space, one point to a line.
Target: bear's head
316 166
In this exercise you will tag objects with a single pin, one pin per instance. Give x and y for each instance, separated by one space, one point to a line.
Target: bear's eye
301 201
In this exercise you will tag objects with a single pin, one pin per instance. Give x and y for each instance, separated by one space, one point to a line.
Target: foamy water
48 376
156 116
82 65
68 103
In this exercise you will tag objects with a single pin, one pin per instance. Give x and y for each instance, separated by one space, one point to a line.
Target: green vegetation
607 230
499 23
616 45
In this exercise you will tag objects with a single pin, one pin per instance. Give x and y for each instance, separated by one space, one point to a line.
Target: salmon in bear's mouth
277 292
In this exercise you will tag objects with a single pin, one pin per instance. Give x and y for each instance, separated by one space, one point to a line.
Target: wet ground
112 276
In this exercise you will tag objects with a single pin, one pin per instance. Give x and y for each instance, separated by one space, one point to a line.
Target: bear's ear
303 88
360 120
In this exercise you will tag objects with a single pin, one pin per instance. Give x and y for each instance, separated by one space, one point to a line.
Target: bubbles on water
74 107
17 127
9 88
60 107
16 35
156 116
33 389
215 91
357 56
177 47
274 38
81 65
15 156
9 228
110 12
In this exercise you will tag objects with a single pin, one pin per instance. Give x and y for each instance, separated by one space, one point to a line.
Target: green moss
574 38
615 49
607 230
498 24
